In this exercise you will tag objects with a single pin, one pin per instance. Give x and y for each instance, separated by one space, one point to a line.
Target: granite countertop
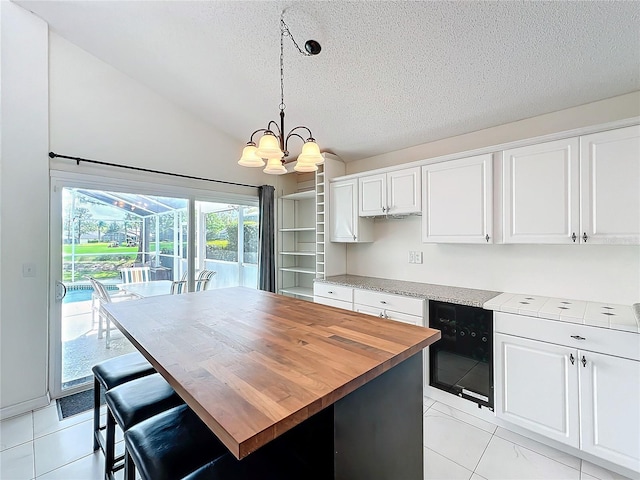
442 293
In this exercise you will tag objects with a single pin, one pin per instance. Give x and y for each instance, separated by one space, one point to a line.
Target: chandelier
273 145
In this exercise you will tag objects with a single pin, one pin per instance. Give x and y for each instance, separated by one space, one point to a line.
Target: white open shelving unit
304 250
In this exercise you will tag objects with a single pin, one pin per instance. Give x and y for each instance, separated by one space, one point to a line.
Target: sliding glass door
98 230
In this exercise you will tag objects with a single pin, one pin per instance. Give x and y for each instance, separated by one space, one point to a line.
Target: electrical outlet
411 257
417 257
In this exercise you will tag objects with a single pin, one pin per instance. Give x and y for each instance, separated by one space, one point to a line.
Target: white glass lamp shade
250 158
305 165
311 153
274 167
269 147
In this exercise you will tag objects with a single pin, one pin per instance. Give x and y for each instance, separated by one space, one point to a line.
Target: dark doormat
77 403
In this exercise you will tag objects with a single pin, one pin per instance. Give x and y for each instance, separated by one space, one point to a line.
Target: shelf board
300 195
298 229
299 253
298 269
299 291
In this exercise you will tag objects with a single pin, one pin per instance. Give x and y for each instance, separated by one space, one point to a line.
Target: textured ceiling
391 74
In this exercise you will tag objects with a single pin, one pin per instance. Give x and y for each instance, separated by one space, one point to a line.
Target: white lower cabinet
539 387
570 393
333 295
390 306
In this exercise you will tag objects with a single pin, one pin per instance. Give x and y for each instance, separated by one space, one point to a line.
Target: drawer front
389 315
333 303
388 301
583 337
337 292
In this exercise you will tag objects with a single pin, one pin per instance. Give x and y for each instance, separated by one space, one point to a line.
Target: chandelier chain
284 31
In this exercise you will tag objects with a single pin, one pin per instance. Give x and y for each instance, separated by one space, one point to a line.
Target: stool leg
129 467
110 445
96 414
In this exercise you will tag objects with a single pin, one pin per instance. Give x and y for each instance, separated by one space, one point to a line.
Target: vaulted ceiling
390 75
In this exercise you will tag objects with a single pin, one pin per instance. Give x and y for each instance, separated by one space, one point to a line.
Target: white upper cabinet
346 225
610 186
457 201
373 195
541 193
393 193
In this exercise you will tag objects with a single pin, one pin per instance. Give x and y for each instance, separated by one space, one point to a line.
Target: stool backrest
135 274
204 277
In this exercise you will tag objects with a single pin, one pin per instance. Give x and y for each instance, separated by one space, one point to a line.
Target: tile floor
456 446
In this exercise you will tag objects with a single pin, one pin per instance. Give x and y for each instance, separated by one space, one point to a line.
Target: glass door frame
60 179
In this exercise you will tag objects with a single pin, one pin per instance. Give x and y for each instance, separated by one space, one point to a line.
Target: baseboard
24 407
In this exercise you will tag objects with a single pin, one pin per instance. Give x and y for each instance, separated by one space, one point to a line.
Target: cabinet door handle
573 359
584 361
381 315
383 302
487 238
578 337
354 238
330 292
383 209
573 237
584 237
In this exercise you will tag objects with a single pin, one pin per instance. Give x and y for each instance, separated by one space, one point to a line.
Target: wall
57 97
24 212
583 272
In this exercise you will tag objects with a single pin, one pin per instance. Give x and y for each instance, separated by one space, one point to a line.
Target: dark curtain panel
266 256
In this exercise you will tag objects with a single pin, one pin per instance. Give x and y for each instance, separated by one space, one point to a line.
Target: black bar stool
131 403
109 374
170 445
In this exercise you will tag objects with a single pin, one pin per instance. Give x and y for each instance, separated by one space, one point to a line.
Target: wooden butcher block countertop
253 364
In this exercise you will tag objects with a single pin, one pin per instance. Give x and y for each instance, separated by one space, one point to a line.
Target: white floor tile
557 455
17 463
90 467
62 447
465 417
427 403
505 460
46 420
456 440
16 430
584 476
599 472
437 467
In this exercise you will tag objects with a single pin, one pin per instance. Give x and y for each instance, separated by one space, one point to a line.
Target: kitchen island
255 365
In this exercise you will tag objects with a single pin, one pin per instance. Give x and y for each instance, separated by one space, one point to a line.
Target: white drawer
332 303
583 337
389 315
388 301
336 292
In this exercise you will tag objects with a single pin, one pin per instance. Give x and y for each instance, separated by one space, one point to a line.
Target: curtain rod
139 169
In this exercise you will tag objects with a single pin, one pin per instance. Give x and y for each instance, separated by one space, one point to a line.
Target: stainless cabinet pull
354 238
330 291
584 237
573 237
584 361
383 209
383 302
381 315
487 238
572 358
578 337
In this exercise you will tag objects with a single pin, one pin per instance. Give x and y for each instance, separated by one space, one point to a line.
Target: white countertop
605 315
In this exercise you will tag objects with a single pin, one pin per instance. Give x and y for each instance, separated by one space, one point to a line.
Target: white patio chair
100 297
135 274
